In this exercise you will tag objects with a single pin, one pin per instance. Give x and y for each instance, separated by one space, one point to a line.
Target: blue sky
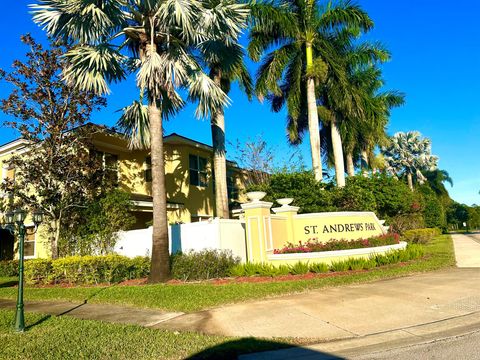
436 57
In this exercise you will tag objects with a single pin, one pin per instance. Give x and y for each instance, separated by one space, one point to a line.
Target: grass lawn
194 297
69 338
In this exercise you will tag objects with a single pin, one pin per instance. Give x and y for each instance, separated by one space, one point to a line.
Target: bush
313 245
401 223
392 197
8 268
202 265
319 268
339 266
421 236
86 269
307 193
299 268
354 198
412 252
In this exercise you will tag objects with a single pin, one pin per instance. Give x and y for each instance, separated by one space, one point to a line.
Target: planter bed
329 256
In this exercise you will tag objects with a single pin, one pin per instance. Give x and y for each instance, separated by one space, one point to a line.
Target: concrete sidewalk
346 312
467 249
100 312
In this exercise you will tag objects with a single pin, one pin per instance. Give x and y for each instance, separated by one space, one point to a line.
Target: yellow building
189 182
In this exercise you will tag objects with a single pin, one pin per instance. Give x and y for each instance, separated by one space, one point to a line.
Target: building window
29 244
109 164
148 169
198 170
232 188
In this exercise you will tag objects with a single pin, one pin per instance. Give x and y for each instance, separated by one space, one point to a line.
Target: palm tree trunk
219 158
410 181
364 162
350 165
313 126
160 266
338 154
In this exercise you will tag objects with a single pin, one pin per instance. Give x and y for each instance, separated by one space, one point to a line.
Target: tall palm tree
409 154
111 38
364 130
299 31
345 104
223 56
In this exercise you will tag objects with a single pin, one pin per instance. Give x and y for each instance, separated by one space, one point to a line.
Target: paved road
465 347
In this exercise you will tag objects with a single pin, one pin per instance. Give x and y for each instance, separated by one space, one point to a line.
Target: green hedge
412 252
421 236
202 265
8 268
86 269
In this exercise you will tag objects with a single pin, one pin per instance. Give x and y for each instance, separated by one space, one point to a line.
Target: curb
371 343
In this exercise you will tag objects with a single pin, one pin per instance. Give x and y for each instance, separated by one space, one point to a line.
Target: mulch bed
219 282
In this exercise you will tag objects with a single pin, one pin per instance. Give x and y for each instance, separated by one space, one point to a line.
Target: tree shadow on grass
38 322
7 284
84 301
233 349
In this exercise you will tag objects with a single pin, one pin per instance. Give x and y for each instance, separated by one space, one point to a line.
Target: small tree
54 172
94 229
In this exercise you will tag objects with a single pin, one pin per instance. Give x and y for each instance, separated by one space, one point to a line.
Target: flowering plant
314 245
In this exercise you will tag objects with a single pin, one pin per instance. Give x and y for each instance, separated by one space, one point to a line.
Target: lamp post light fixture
17 218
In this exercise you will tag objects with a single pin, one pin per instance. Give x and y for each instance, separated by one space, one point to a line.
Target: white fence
215 234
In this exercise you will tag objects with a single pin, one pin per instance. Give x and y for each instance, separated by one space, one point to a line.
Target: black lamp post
17 218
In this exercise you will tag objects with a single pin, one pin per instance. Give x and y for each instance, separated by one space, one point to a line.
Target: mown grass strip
193 297
49 337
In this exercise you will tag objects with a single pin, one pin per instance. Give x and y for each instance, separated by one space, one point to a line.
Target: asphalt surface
464 347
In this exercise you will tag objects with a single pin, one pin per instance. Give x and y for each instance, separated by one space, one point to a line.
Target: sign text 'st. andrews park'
337 225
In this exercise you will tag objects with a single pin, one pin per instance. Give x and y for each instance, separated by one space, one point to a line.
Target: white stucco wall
215 234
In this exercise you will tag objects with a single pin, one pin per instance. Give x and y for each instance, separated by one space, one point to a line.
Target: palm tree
344 105
437 179
300 32
111 38
364 130
409 154
223 56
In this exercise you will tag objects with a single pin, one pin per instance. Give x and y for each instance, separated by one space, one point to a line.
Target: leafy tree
457 214
54 171
94 228
300 33
433 210
223 56
409 154
112 38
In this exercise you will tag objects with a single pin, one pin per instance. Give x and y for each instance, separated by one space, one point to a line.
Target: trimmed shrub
261 269
319 268
202 265
8 268
86 269
421 236
339 266
299 268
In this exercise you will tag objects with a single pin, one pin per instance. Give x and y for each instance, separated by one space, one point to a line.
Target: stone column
257 220
289 212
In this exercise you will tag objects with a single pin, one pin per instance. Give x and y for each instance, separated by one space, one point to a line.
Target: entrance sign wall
266 232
